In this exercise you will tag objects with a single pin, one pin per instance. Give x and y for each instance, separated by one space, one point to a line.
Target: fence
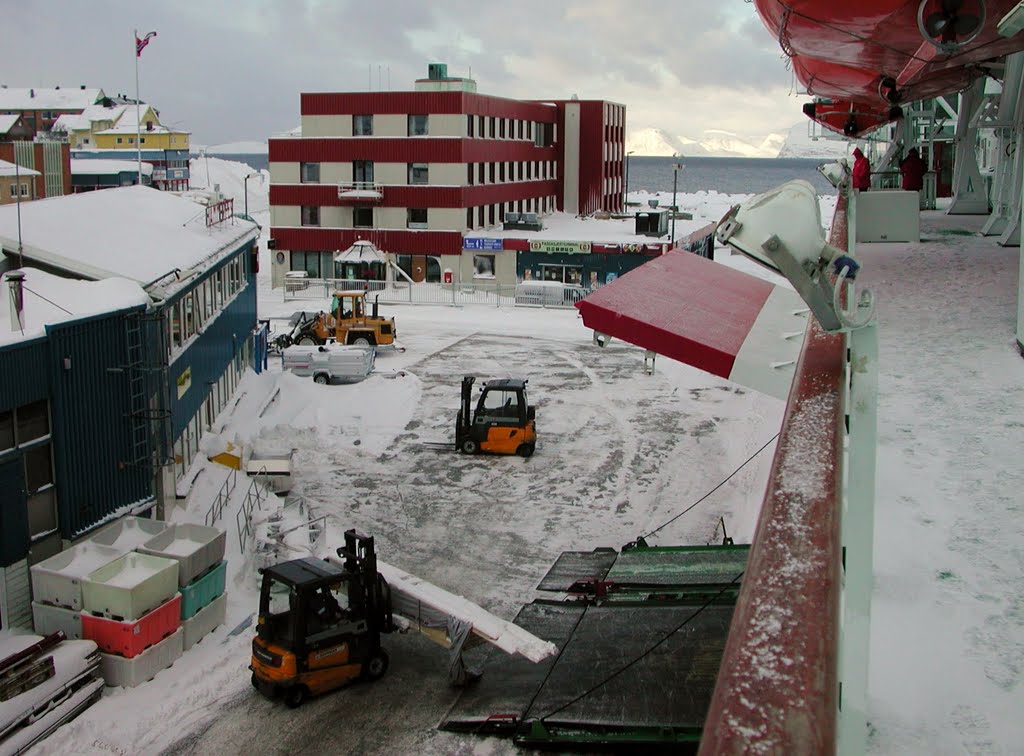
254 499
527 294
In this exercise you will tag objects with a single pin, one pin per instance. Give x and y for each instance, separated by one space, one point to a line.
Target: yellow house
81 128
17 183
148 129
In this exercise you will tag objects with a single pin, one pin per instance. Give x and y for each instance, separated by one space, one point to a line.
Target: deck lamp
781 230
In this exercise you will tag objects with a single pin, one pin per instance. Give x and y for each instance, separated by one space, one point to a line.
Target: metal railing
458 294
254 499
220 501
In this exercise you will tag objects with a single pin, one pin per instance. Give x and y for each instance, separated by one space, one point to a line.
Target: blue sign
489 244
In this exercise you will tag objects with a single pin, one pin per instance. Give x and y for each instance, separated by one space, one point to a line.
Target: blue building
139 321
170 167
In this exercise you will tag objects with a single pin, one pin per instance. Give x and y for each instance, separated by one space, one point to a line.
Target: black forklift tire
376 665
525 450
255 681
295 696
469 446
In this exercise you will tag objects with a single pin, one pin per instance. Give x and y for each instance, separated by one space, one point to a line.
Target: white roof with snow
131 232
7 121
36 98
10 169
50 299
101 166
83 121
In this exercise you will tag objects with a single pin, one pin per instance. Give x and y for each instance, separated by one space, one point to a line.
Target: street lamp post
676 167
625 188
245 186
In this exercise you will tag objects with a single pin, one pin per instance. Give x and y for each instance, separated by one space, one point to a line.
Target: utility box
651 223
888 215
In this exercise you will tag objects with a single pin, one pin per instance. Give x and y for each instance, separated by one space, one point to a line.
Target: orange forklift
503 422
319 625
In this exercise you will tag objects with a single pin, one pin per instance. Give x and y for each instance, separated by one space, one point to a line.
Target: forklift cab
503 422
319 625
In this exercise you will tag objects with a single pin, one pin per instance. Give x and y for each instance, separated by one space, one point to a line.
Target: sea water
727 175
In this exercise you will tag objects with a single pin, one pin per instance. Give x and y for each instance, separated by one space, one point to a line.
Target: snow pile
229 176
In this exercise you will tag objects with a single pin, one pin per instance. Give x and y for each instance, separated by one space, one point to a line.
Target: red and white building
415 172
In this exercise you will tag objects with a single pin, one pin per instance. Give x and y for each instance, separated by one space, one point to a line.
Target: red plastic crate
129 639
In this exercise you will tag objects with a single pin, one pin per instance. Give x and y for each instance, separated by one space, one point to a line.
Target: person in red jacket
861 170
913 168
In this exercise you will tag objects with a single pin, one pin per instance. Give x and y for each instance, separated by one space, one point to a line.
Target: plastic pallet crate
130 587
131 672
58 580
203 590
47 619
205 620
128 533
129 639
196 548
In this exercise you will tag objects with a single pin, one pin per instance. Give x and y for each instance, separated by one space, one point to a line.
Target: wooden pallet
25 676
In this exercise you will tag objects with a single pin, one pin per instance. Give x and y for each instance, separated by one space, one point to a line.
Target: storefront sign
564 247
184 381
490 244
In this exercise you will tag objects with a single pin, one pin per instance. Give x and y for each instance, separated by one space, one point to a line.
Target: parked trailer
329 363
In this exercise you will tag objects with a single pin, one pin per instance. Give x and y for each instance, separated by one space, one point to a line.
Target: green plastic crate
203 590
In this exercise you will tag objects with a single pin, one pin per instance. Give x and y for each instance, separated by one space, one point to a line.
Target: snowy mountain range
802 140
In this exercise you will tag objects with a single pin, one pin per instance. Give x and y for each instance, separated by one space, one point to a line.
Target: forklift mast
369 593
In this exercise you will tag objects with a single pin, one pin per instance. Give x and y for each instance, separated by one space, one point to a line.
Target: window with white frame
418 173
362 125
310 215
418 125
416 217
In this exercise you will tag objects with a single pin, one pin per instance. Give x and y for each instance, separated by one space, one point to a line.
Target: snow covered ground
619 453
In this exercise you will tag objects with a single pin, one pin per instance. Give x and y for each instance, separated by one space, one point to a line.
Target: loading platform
640 635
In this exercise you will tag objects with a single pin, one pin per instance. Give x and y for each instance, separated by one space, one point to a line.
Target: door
14 538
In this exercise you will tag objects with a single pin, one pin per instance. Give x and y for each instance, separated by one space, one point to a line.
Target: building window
469 126
131 140
483 266
417 125
309 173
310 215
469 218
142 140
480 126
501 173
470 173
362 171
6 430
362 125
501 128
14 190
362 217
416 217
418 173
33 421
490 173
307 261
119 140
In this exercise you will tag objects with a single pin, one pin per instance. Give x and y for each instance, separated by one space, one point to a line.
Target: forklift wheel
294 696
376 666
469 446
255 681
525 450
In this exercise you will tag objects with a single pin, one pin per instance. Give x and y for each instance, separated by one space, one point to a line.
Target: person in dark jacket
861 170
913 168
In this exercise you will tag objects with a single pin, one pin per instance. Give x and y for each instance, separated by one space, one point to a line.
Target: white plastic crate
196 548
129 587
128 533
127 673
58 580
205 620
47 619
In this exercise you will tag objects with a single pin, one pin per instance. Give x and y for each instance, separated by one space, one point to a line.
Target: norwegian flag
141 43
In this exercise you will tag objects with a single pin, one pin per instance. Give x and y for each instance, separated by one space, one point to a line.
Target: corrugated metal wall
23 372
209 355
88 363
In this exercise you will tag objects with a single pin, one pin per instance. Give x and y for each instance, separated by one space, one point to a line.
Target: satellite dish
948 25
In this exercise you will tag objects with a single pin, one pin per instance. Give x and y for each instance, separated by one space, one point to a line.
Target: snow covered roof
7 122
36 98
50 299
568 227
83 121
128 122
100 166
132 232
10 169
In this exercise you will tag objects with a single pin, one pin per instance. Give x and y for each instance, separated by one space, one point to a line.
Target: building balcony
360 192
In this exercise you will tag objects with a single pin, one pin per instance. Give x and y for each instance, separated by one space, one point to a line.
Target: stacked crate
57 587
143 590
199 552
132 610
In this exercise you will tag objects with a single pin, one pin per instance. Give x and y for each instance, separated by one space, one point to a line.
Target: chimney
15 279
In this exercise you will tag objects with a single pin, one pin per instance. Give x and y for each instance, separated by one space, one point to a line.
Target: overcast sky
230 71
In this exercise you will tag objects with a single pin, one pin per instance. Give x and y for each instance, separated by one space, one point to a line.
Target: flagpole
138 127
